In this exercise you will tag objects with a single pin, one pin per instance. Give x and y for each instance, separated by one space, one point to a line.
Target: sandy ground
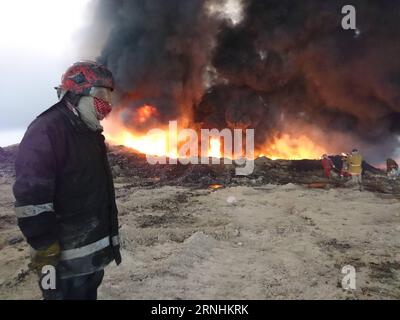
265 242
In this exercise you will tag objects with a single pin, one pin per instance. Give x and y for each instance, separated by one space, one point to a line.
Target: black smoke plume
288 66
157 51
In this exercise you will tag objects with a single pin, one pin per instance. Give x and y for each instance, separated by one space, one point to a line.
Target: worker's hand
45 256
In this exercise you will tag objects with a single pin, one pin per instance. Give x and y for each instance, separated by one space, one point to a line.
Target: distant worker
344 172
392 169
327 164
354 162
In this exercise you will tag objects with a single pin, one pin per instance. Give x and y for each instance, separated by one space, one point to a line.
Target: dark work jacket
64 192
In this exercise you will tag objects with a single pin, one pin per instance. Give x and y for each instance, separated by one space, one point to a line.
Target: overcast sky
37 44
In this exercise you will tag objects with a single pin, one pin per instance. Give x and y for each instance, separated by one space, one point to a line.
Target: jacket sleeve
34 186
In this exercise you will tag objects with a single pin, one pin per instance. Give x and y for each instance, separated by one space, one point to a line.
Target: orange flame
157 144
215 186
293 148
214 150
144 113
287 146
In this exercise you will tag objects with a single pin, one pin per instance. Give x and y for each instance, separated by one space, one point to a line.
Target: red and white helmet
82 76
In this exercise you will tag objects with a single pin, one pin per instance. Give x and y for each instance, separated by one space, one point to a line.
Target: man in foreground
65 201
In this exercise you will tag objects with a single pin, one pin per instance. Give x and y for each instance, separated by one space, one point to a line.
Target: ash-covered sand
242 242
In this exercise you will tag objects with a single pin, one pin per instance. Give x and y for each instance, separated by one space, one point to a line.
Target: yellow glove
46 256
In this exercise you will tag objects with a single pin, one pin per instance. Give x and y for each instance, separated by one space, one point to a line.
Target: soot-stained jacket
64 192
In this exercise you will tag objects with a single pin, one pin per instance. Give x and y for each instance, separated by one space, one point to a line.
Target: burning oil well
129 166
285 68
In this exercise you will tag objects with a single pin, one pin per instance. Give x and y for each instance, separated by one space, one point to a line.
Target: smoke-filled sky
279 66
283 67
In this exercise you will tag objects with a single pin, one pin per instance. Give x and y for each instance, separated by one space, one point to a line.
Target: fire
156 143
215 186
144 113
215 148
293 148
